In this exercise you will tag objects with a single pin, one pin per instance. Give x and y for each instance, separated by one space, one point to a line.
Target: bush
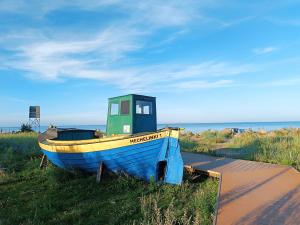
26 128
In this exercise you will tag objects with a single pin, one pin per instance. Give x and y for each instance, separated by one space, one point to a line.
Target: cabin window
125 107
143 107
114 109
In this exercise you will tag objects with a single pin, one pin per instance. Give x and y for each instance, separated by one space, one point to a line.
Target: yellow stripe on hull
89 141
94 145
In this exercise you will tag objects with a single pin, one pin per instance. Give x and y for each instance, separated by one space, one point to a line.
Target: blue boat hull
158 159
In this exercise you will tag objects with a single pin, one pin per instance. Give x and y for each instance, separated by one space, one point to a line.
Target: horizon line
292 121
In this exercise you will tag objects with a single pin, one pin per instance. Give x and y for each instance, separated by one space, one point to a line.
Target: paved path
252 192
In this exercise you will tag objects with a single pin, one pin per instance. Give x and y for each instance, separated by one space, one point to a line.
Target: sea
189 127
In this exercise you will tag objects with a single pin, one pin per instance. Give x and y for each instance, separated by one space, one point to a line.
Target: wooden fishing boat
133 144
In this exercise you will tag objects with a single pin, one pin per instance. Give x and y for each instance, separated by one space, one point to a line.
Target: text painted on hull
145 138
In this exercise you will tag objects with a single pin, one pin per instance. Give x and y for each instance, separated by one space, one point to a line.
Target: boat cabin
131 114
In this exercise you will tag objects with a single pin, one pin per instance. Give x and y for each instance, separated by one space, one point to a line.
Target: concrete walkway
251 192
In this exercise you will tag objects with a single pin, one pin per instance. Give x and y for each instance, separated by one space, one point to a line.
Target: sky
205 61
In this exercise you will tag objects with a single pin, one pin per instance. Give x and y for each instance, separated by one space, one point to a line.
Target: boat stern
170 163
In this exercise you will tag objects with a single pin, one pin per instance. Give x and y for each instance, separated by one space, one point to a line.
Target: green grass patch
29 195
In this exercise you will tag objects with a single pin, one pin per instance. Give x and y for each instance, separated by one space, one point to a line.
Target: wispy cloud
232 22
285 21
167 13
283 82
59 60
192 85
265 50
174 77
152 12
52 59
14 99
106 54
40 8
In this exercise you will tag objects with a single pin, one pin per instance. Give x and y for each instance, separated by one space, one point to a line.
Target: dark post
100 172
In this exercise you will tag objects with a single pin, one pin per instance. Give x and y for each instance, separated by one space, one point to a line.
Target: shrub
26 128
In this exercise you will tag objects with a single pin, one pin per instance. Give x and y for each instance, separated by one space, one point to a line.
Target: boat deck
251 192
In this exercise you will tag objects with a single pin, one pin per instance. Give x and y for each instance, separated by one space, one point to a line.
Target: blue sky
205 61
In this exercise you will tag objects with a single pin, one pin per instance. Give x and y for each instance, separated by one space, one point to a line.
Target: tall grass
280 146
17 149
205 141
165 206
29 195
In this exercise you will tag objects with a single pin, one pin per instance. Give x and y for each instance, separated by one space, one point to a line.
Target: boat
132 144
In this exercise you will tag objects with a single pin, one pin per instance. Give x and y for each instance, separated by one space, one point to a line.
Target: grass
279 147
29 195
204 142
